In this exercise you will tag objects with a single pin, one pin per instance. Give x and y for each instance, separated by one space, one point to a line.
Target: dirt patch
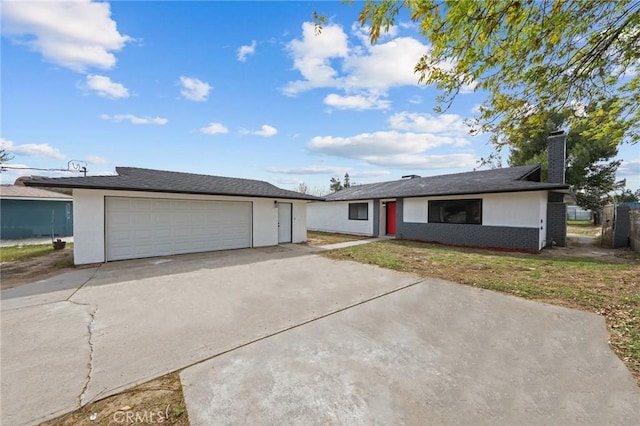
159 401
37 268
589 246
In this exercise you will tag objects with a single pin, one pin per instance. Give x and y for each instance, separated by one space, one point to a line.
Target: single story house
145 213
506 208
34 213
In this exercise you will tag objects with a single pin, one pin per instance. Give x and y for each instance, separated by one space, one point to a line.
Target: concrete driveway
135 320
280 335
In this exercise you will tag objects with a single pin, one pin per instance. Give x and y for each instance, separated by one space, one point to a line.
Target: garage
140 213
147 227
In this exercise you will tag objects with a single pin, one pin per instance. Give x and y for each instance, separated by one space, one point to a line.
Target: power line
77 167
41 170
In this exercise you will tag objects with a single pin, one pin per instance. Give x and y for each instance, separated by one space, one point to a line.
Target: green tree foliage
529 56
628 196
590 168
335 185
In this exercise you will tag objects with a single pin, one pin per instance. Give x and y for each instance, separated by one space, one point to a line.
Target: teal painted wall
33 219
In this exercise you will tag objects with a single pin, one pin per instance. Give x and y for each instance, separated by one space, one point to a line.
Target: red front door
391 218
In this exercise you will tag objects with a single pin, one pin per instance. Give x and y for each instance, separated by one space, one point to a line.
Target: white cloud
380 144
308 170
246 50
372 68
74 34
384 65
363 33
465 89
629 168
105 87
357 102
266 131
134 119
402 149
93 159
365 72
424 162
194 89
288 180
446 124
32 150
312 56
214 129
369 174
415 99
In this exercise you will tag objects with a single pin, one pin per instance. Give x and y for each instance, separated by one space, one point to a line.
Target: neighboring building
34 213
502 208
577 213
145 213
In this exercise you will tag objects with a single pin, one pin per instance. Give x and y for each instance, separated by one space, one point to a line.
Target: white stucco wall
514 209
543 217
333 216
518 209
88 226
299 222
89 232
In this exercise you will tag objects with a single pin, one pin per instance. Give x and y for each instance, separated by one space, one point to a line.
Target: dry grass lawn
583 227
317 238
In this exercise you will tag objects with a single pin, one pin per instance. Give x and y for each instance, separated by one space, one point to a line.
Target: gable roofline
510 179
162 181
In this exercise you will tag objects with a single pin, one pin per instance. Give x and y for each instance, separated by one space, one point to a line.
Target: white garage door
146 227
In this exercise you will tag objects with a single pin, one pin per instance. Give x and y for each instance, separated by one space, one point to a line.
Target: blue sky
242 89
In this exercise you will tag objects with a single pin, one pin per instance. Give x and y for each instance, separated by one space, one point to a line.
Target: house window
358 211
456 211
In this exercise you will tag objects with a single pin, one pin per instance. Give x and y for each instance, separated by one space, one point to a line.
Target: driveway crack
90 363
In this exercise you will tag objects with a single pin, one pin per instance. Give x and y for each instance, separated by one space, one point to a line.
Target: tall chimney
557 153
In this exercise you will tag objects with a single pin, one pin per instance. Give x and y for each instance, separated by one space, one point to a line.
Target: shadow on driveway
63 286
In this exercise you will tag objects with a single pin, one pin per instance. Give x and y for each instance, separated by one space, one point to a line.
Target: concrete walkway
128 322
280 335
355 243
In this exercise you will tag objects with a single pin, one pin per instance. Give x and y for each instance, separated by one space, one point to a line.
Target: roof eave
49 184
556 188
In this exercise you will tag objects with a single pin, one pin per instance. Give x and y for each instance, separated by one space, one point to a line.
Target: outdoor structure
144 213
502 208
34 213
621 225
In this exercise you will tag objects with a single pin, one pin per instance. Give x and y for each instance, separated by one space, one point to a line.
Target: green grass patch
13 253
8 254
580 222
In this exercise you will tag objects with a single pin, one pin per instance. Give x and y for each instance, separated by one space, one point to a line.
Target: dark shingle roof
136 179
511 179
